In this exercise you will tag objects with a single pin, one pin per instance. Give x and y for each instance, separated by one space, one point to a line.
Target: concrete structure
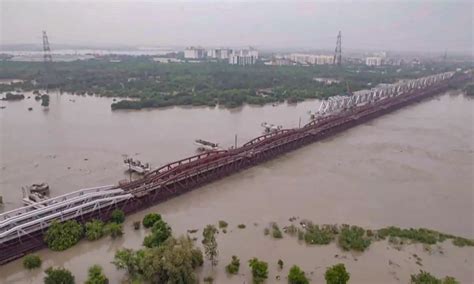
218 53
244 56
311 59
195 53
373 61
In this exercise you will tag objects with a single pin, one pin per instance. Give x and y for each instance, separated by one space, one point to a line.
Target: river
410 168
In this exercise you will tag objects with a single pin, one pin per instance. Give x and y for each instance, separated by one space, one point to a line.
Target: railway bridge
22 229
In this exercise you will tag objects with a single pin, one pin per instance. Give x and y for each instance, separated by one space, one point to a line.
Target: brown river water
410 168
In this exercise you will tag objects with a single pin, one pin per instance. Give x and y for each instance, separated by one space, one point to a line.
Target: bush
241 226
117 216
318 236
259 270
234 266
276 232
31 261
94 230
159 233
150 219
222 224
113 229
61 236
96 276
45 100
297 276
58 276
353 238
208 279
337 274
424 277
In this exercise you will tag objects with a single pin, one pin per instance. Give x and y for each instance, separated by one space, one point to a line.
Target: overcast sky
384 25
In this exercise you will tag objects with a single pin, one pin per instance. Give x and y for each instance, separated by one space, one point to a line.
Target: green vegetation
208 279
61 236
422 235
241 226
259 270
58 276
315 235
205 84
31 261
117 216
337 274
94 230
234 265
210 243
150 219
280 264
159 233
353 238
291 230
424 277
297 276
114 230
276 232
96 276
174 261
223 224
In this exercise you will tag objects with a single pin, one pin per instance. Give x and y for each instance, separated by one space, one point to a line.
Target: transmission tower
48 60
338 51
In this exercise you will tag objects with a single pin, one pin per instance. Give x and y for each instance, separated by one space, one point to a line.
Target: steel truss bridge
22 229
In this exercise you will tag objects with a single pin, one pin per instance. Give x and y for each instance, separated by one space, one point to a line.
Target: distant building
218 53
373 61
244 57
195 53
311 59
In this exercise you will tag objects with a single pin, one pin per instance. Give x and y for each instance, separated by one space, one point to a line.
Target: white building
306 59
195 53
244 56
373 61
218 53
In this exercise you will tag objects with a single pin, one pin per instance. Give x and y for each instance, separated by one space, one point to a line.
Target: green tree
172 262
259 270
61 236
58 276
337 274
150 219
159 233
297 276
114 230
94 230
234 265
424 277
353 238
130 261
96 276
31 261
117 216
210 243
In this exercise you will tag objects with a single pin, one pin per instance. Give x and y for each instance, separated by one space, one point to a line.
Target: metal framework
338 50
21 230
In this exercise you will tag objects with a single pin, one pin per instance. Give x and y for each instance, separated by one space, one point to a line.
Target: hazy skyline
404 26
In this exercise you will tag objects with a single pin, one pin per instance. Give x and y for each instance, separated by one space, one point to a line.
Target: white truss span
29 219
339 103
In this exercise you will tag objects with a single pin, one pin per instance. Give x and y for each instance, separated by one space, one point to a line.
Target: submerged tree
210 243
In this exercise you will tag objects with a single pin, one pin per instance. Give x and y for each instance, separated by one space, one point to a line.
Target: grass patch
353 238
316 235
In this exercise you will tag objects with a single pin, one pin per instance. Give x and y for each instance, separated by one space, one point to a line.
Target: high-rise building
373 61
195 53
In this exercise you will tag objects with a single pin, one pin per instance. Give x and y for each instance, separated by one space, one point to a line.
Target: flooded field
411 168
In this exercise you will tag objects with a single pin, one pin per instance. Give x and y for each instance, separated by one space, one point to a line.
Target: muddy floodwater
410 168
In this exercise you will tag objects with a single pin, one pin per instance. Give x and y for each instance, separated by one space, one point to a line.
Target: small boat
269 128
136 166
204 145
